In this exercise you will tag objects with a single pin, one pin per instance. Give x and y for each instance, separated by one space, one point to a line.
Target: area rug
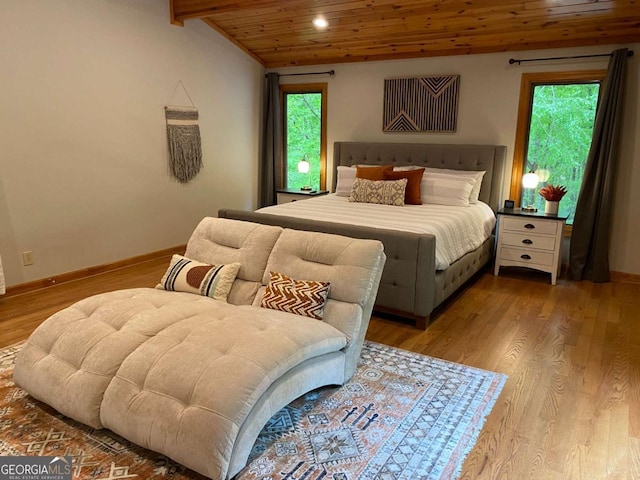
403 415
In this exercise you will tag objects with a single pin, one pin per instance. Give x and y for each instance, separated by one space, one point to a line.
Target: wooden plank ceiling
280 33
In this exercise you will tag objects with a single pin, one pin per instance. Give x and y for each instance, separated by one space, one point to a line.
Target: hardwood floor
570 408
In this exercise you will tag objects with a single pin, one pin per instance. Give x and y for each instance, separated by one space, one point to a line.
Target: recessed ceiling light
320 22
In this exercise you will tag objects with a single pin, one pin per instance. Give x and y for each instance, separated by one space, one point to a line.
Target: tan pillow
373 173
385 192
414 177
302 297
185 275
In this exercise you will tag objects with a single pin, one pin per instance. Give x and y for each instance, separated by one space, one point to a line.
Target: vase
551 208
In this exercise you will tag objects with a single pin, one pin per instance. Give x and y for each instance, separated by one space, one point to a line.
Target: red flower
553 193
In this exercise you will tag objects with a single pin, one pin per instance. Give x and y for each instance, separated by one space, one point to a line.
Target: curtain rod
330 72
519 61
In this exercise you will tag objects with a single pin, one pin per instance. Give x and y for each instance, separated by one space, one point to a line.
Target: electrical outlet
27 258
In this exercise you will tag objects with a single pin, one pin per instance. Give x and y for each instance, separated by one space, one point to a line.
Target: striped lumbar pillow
302 297
185 275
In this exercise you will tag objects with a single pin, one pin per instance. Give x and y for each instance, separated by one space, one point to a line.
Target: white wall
83 160
488 104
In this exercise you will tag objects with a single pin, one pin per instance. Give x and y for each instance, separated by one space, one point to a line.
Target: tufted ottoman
197 378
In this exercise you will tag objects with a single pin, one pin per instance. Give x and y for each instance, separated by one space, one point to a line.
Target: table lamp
530 182
305 167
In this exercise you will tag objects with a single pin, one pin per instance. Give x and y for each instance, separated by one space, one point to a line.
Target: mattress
458 230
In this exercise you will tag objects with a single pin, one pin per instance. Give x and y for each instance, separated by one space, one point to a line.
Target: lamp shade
530 180
543 174
303 166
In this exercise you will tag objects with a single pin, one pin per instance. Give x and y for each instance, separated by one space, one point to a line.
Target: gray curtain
589 249
270 172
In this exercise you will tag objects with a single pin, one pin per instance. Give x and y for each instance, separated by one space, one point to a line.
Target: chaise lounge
196 378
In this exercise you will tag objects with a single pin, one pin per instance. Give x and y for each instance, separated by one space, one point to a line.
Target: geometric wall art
421 104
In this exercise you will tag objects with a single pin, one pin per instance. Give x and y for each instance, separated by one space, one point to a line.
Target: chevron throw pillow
185 275
302 297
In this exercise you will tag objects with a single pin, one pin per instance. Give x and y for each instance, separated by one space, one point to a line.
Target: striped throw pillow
185 275
445 189
344 183
302 297
475 174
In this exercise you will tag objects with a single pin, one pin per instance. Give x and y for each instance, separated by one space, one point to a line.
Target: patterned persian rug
403 415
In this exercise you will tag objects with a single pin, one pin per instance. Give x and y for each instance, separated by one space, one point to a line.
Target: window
304 113
553 136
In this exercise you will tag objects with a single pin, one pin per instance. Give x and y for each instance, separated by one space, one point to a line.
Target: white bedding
458 230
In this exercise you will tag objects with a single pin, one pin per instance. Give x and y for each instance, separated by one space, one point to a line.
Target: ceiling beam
172 15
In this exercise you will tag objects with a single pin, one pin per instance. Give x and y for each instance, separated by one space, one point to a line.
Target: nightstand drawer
533 225
289 197
524 240
526 256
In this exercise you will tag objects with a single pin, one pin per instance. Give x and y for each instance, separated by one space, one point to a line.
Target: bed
411 285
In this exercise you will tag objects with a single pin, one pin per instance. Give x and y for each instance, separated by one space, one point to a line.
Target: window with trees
555 123
304 108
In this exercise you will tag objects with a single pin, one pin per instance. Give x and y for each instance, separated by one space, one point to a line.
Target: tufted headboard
490 158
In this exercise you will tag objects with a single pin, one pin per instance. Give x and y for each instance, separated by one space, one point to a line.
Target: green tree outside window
561 126
303 137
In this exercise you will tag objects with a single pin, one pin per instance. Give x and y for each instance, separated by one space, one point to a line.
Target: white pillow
405 168
476 175
446 189
344 184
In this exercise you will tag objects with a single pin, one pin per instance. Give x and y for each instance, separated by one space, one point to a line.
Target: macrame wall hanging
183 135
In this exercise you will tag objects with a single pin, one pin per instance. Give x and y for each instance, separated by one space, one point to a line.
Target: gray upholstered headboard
490 158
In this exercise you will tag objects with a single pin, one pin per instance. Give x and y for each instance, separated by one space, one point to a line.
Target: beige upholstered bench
197 378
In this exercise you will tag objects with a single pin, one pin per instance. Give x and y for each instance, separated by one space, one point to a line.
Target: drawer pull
525 257
529 225
527 241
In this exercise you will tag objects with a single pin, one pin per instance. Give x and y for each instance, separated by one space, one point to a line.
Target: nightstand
529 239
286 195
